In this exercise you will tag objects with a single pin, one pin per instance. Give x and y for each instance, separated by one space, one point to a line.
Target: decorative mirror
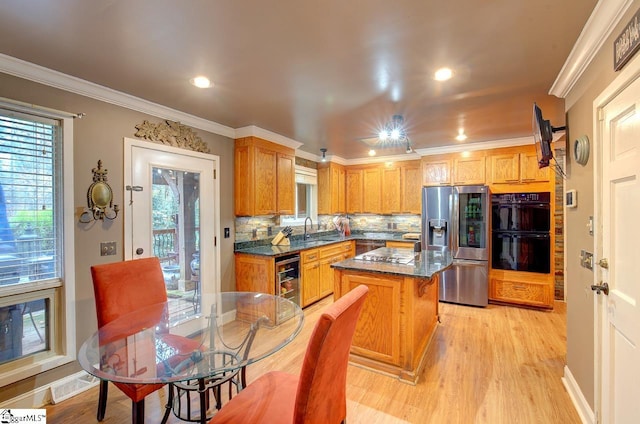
99 198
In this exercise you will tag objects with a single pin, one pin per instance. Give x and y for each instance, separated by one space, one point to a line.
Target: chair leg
169 405
102 399
137 412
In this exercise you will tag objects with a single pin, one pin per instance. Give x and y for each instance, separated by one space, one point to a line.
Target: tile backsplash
266 227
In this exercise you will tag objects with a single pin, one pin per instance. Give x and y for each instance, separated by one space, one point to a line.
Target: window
34 291
306 197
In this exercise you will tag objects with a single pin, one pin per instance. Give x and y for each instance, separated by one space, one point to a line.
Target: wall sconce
99 198
324 154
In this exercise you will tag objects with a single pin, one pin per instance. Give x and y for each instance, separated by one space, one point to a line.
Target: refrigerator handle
468 262
455 230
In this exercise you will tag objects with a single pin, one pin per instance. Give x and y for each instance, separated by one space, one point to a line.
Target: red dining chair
318 394
121 288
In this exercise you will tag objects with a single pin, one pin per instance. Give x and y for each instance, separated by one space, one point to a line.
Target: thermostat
571 199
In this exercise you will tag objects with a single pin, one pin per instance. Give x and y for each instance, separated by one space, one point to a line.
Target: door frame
625 78
214 215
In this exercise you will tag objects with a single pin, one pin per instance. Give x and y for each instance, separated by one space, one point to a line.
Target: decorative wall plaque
173 134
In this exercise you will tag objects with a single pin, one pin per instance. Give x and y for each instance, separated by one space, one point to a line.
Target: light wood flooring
493 365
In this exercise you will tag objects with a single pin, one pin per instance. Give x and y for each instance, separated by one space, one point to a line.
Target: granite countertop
264 248
426 264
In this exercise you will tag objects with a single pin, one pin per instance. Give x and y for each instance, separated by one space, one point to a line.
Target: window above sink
306 197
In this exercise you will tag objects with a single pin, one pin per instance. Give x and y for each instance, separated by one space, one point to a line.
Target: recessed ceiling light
461 135
201 82
443 74
372 152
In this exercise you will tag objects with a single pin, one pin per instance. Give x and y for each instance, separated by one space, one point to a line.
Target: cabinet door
372 191
391 187
341 189
244 176
354 190
529 170
469 171
310 283
286 187
326 275
325 191
265 182
505 168
436 172
255 273
411 189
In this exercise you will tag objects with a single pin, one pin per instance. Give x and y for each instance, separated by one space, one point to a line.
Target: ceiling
326 74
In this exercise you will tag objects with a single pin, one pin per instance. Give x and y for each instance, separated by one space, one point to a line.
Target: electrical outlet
107 248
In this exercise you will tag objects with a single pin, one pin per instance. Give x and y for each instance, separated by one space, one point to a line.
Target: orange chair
121 288
318 395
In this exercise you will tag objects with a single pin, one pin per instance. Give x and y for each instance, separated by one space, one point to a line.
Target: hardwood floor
485 365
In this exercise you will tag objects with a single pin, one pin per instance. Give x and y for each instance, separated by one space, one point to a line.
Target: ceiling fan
392 134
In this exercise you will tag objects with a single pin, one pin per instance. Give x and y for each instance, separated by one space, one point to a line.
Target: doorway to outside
172 212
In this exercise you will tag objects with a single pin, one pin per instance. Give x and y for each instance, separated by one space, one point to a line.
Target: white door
172 212
619 311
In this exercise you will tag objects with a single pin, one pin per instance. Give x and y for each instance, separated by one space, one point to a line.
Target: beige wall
580 311
100 135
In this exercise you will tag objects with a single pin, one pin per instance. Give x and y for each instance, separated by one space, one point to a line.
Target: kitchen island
400 314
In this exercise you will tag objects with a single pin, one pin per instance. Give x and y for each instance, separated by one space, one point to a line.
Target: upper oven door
521 216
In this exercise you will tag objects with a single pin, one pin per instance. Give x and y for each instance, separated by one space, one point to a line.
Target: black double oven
521 239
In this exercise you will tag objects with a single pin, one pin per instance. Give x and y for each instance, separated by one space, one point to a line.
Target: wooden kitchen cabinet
529 170
353 180
264 178
436 171
391 189
400 244
331 189
372 190
255 273
513 168
411 183
310 276
317 274
521 288
469 170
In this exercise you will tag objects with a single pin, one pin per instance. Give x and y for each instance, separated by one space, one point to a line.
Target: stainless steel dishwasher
363 246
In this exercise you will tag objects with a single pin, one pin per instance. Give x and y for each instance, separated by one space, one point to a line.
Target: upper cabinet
469 170
331 189
372 190
512 167
264 178
353 182
436 171
411 195
391 189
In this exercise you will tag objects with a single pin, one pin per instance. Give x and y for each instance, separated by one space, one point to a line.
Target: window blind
29 235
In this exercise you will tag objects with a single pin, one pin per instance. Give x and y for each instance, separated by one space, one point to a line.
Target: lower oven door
530 252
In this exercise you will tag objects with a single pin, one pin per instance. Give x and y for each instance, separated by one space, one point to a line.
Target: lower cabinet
317 274
401 244
521 288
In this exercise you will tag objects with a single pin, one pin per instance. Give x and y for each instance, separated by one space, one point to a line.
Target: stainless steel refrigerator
458 218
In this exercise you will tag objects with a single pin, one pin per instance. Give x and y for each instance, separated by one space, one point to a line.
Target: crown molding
469 147
604 18
29 71
253 131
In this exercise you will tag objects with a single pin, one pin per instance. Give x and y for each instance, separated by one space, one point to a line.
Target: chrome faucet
306 236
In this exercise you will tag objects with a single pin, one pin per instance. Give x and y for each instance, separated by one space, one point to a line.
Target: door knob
604 263
139 251
602 287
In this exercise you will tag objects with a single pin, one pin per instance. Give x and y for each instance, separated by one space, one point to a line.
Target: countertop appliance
520 234
457 218
393 258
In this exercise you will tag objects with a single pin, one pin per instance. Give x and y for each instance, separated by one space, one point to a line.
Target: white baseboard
582 406
44 395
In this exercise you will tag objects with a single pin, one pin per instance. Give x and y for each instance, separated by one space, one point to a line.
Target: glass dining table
194 352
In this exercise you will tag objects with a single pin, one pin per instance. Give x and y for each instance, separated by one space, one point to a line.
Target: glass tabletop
233 330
